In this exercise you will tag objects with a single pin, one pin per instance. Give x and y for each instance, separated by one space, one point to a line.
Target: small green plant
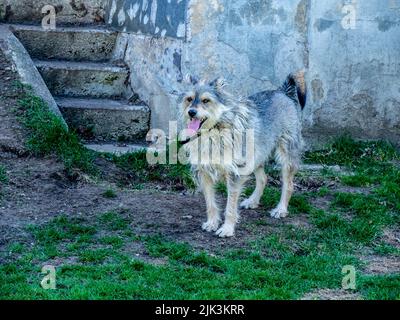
114 221
94 256
110 194
114 241
141 171
3 175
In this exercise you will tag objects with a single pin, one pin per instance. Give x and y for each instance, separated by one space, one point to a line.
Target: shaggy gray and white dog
218 120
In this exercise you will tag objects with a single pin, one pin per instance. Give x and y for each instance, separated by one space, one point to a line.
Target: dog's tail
295 88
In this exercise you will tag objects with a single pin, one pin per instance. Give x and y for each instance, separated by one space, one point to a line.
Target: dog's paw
226 231
279 212
249 204
211 226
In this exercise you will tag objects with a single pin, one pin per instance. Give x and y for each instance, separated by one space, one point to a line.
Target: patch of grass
48 135
375 166
299 204
114 221
370 215
345 151
94 256
221 188
357 180
159 248
3 175
355 219
114 241
385 249
110 194
16 247
141 171
380 287
60 229
328 221
324 191
270 197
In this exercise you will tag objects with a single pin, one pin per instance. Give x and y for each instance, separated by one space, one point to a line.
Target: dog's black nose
192 113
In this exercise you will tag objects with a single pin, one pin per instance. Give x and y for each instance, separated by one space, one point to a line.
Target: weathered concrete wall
354 70
350 49
156 73
67 11
152 41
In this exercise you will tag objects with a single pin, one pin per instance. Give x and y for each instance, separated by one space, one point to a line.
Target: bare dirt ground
329 294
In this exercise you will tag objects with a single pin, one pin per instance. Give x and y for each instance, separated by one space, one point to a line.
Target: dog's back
278 114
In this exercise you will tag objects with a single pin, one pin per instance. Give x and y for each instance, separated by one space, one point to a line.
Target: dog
212 114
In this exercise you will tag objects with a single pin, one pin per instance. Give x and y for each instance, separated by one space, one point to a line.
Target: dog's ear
189 79
218 83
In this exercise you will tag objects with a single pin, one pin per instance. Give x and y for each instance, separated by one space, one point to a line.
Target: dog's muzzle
192 113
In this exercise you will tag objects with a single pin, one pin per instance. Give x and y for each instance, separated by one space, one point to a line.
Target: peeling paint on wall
159 18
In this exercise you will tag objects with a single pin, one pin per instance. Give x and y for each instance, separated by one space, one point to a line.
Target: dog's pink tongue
194 125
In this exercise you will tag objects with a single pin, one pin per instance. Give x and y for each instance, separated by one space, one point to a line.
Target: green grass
110 194
381 287
113 221
369 215
376 167
3 175
345 151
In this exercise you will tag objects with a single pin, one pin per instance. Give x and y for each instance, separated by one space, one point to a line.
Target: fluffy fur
265 124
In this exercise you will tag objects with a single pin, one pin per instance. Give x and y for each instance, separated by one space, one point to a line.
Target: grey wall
354 74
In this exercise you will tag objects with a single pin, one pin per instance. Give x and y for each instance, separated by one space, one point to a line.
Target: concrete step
72 44
83 79
105 120
68 12
116 149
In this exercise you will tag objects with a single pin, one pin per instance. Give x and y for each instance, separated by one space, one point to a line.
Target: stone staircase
90 88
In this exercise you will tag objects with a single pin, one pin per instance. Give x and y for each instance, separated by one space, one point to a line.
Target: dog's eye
189 99
205 101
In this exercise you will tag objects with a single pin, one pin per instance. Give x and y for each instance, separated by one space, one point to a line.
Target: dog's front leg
234 185
213 216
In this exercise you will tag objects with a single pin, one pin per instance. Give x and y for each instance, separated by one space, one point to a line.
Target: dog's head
202 106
